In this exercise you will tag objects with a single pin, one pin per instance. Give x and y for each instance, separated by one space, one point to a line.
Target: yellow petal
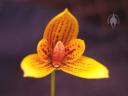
33 66
43 49
86 67
74 50
62 27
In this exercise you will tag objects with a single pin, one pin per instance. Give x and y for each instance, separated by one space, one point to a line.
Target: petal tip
25 75
104 74
66 10
107 75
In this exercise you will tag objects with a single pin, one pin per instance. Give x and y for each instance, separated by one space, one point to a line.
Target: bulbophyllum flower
59 49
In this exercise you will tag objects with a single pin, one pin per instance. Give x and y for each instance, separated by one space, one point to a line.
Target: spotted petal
62 27
43 49
33 66
74 50
86 67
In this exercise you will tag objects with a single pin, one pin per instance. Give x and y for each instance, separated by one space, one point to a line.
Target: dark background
22 23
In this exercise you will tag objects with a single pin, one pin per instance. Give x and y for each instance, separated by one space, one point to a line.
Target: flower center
58 54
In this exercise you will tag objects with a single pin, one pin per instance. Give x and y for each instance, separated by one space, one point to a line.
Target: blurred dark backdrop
22 23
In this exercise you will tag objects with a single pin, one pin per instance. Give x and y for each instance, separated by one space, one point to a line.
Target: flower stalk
53 80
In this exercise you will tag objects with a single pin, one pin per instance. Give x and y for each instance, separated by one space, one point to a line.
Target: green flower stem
53 79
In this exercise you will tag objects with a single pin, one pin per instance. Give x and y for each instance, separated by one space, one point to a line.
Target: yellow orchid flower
59 49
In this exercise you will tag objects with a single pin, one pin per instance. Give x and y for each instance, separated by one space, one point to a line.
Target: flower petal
62 27
42 49
33 66
74 50
86 67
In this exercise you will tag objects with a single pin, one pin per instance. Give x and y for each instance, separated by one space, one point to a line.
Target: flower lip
58 54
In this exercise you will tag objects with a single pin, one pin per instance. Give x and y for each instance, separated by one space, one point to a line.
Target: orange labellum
58 54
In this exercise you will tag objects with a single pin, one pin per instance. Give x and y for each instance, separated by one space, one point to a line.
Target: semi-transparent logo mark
113 20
